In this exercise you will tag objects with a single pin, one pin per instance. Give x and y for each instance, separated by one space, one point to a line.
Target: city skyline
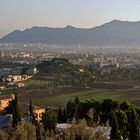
21 14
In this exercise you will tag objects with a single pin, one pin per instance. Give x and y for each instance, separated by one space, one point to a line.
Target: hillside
113 33
62 72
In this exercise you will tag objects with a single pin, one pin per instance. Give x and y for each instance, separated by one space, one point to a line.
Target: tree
115 132
49 121
64 116
16 113
122 122
76 101
31 109
31 113
134 125
90 114
24 131
107 106
76 104
24 71
125 105
138 110
79 131
59 115
70 108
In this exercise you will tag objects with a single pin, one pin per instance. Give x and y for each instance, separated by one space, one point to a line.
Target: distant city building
1 54
20 84
81 70
99 59
2 87
16 78
32 71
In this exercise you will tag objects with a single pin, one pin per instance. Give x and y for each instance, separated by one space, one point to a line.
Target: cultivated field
126 90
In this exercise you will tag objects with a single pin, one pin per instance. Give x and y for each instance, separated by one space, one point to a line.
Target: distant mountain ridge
114 32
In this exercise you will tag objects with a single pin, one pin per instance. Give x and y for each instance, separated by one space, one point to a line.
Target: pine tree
16 113
59 115
76 103
64 117
30 109
70 108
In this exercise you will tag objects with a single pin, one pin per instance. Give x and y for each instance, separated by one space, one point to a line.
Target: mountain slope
115 32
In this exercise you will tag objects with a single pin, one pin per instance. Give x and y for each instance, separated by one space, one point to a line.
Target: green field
126 90
62 99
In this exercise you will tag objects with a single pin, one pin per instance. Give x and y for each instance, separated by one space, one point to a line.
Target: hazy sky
21 14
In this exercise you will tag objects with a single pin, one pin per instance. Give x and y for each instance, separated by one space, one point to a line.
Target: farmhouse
38 112
4 101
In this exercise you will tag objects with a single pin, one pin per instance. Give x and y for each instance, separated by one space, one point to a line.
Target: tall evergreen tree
31 113
107 106
49 121
134 125
35 122
16 113
59 115
122 122
70 108
115 132
76 103
30 108
125 105
64 117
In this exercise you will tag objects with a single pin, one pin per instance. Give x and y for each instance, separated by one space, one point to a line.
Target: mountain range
115 32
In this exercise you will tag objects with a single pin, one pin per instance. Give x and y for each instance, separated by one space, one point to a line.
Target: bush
24 132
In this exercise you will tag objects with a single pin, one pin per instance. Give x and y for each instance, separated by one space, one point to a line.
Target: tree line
123 118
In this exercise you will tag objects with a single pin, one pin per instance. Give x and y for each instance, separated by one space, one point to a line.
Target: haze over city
70 69
21 14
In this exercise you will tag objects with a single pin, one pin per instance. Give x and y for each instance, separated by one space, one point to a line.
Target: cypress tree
30 109
59 115
134 125
34 121
16 113
70 108
122 122
64 117
115 132
76 101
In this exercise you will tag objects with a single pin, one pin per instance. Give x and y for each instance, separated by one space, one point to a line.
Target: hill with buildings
113 33
61 71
